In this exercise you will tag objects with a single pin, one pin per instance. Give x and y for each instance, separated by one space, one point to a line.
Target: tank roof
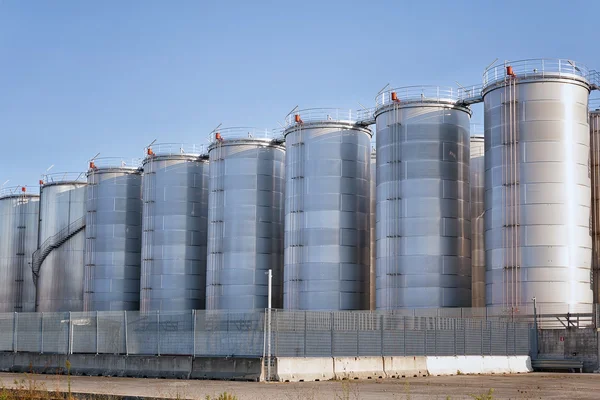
116 162
328 115
175 149
243 132
418 94
17 191
63 178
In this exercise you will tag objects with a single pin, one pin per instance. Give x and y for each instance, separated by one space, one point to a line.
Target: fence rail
231 334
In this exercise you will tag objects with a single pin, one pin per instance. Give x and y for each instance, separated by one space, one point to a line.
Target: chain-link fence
254 334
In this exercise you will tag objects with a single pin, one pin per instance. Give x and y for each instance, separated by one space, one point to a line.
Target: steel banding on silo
58 263
245 219
477 184
113 235
19 213
537 149
174 228
423 216
327 237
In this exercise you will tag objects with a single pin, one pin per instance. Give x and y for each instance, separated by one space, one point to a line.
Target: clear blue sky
82 77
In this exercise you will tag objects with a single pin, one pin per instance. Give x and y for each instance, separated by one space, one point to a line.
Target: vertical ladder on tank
216 257
394 209
511 193
296 218
595 217
148 213
90 242
20 256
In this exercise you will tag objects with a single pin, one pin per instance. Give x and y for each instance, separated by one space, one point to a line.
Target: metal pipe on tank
477 185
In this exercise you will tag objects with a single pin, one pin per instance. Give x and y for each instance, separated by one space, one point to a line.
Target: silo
19 213
477 182
246 218
58 263
113 235
327 237
595 182
174 228
537 198
423 215
372 223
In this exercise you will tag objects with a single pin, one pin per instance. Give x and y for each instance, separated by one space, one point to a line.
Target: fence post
42 333
158 332
454 322
332 342
481 336
70 345
357 323
194 333
126 344
435 328
97 333
15 331
305 331
381 323
404 334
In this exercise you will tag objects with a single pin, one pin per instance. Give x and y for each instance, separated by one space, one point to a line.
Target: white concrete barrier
469 365
358 367
519 364
296 369
495 365
442 366
404 367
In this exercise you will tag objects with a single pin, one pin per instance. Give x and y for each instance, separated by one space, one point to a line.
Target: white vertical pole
270 288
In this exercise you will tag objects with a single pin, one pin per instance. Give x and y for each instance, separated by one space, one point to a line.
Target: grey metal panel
60 282
18 232
423 215
537 227
245 233
477 181
113 239
328 206
174 229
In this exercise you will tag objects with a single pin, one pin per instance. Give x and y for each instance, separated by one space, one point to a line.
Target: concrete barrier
173 367
404 367
227 368
438 366
519 364
301 369
40 363
469 365
495 365
97 364
358 367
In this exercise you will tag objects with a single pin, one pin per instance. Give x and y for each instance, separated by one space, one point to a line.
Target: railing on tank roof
594 104
417 94
116 162
325 114
169 149
19 190
242 132
64 177
536 68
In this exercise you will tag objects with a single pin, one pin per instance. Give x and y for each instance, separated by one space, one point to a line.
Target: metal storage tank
537 199
477 182
58 263
372 220
113 235
246 218
327 237
174 228
595 182
423 215
19 213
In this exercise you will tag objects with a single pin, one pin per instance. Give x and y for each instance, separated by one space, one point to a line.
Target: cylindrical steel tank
327 237
537 198
372 223
595 182
61 243
477 182
19 213
246 202
174 228
113 235
423 215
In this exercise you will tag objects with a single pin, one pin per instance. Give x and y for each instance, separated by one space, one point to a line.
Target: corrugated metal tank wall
247 185
327 238
537 225
423 214
595 181
113 238
477 182
19 214
60 282
372 222
174 229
